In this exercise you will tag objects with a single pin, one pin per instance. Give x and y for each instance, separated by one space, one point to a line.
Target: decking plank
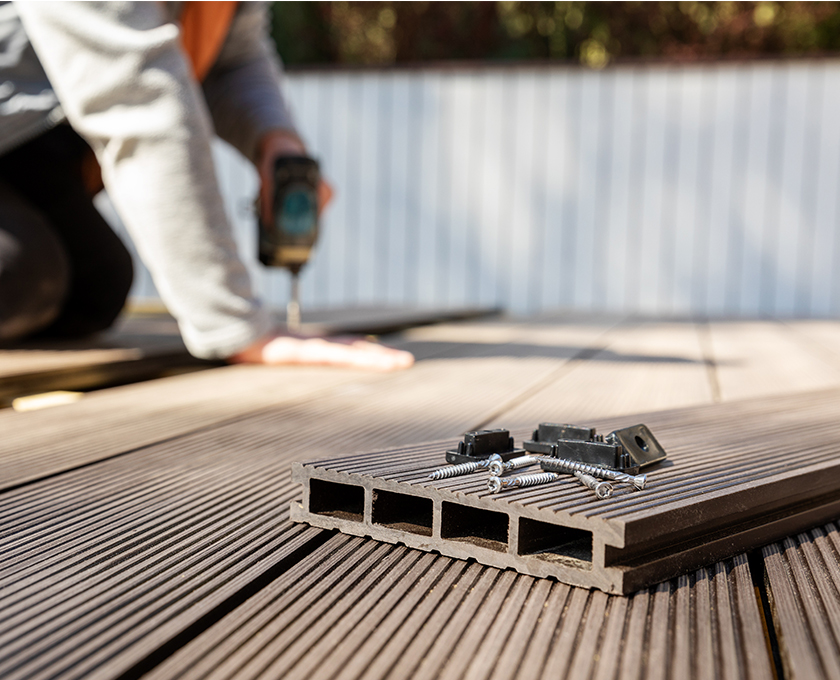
643 366
132 338
113 421
802 575
162 508
480 614
760 358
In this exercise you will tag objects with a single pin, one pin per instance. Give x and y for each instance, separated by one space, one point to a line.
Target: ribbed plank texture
172 533
803 575
737 476
360 609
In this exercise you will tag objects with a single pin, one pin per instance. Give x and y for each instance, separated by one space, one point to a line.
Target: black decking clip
628 449
482 444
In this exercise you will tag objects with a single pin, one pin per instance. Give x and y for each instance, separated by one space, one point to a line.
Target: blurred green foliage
593 33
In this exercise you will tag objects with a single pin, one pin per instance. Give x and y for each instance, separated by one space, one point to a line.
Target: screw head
496 468
494 484
603 490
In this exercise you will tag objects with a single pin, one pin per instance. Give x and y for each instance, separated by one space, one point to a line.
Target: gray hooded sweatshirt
116 71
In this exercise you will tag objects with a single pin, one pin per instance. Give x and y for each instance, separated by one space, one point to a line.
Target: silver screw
465 468
495 484
572 466
497 467
602 489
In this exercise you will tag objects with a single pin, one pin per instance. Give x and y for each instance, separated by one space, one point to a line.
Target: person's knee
34 271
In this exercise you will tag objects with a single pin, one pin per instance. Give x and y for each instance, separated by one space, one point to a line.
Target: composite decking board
378 320
133 337
738 476
135 349
110 422
147 347
142 335
380 650
549 350
107 423
99 376
803 582
437 617
644 366
70 530
755 358
821 336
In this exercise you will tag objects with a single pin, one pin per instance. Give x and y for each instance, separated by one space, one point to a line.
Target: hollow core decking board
146 346
738 476
137 336
132 338
361 609
196 508
803 581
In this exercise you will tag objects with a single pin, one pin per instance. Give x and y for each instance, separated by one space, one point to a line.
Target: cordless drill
289 240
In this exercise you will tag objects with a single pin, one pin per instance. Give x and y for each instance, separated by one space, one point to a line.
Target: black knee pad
34 269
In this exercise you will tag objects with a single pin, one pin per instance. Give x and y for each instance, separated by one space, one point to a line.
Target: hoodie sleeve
125 86
244 88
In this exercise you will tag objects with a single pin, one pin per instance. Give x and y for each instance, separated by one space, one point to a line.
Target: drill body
288 241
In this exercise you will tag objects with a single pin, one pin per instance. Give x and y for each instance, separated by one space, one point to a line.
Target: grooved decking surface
737 477
803 575
144 530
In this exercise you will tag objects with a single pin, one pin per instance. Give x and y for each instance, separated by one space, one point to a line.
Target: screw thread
532 480
572 466
466 468
455 470
495 484
498 467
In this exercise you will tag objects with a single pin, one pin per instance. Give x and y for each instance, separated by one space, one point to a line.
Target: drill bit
293 307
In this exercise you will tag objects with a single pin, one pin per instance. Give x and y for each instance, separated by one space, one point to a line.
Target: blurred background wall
581 179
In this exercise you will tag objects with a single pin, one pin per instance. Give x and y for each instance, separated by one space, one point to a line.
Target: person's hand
273 145
280 350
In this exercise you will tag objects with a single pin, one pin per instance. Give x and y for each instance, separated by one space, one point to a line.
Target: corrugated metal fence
708 189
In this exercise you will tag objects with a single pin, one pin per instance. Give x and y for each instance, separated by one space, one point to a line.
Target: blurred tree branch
593 33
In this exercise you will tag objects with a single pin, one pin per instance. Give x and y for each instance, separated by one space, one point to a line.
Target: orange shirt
204 27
